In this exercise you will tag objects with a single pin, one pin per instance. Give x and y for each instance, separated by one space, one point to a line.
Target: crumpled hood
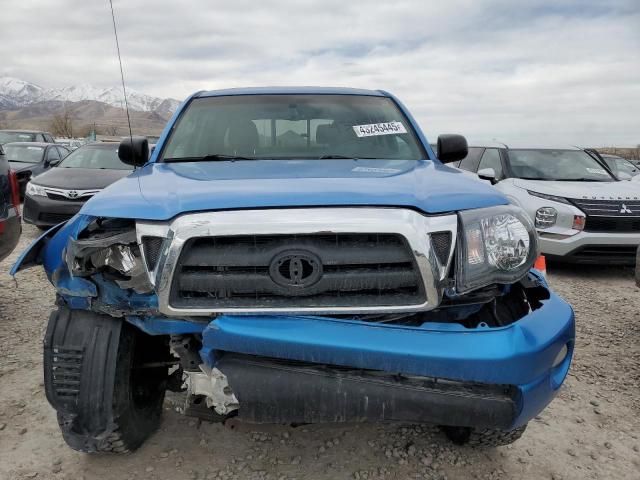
600 190
160 191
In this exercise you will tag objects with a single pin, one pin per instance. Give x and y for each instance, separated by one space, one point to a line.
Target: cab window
52 154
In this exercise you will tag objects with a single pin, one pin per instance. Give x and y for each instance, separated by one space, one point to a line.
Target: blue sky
539 72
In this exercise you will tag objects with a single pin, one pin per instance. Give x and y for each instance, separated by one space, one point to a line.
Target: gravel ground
590 431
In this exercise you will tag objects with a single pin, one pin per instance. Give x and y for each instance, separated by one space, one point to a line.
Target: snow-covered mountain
15 93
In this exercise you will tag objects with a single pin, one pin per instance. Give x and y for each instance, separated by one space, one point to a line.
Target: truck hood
599 190
160 191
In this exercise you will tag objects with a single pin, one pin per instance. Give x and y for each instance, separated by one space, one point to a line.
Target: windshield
293 126
99 157
6 137
556 165
620 165
23 153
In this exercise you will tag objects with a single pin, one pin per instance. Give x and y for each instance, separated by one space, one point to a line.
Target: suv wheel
107 400
483 437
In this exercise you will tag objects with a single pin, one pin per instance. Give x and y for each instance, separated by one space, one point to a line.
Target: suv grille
610 215
289 271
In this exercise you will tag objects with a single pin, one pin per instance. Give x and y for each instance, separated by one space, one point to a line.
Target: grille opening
237 272
152 249
441 242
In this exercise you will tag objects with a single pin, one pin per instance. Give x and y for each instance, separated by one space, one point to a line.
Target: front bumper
45 212
512 371
593 247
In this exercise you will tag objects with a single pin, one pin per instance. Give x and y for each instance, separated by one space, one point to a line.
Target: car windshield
620 165
563 165
292 126
6 137
23 153
95 156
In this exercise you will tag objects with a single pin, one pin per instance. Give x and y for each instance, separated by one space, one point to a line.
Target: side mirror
134 150
488 174
452 147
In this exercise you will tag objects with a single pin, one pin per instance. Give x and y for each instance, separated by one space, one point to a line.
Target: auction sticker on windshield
373 129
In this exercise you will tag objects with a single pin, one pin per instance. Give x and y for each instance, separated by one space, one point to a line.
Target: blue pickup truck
298 255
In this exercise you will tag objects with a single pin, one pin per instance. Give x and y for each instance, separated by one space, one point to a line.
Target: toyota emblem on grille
72 194
625 209
295 269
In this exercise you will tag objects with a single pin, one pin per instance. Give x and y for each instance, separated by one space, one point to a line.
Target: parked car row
29 159
7 136
581 210
59 193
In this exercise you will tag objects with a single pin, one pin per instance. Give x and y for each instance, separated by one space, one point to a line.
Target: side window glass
63 152
470 162
52 154
491 159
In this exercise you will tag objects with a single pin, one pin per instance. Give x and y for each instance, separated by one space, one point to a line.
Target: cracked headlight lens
498 245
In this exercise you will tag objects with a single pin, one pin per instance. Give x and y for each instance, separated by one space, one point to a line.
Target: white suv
581 211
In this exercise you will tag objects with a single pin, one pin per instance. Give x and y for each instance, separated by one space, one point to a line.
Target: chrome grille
260 271
620 216
609 208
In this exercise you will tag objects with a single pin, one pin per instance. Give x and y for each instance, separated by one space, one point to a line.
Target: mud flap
80 356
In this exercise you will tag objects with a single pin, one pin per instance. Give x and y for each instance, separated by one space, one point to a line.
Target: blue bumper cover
521 354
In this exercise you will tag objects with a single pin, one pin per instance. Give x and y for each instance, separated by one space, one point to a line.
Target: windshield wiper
579 180
209 158
533 178
346 157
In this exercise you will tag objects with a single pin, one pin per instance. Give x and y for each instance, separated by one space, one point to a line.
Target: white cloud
546 72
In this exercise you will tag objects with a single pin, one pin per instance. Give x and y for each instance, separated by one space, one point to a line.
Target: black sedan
29 159
10 226
59 193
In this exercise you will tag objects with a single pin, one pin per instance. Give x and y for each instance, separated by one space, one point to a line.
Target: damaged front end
95 264
276 318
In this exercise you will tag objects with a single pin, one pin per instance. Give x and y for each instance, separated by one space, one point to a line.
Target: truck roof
291 91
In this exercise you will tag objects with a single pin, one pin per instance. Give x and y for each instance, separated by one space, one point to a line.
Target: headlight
35 190
549 197
497 245
546 217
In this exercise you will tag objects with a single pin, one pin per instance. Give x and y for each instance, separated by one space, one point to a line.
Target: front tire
483 437
106 401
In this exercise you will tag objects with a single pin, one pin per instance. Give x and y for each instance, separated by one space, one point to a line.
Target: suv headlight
497 245
35 190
